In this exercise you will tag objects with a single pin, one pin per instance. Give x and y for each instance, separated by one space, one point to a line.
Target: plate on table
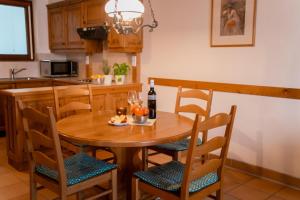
118 120
117 123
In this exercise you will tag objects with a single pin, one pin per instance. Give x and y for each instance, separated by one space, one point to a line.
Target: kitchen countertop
44 90
22 79
74 80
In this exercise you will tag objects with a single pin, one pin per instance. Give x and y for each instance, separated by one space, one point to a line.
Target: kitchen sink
19 78
26 78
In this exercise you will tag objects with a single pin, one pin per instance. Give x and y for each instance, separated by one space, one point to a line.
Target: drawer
7 86
34 84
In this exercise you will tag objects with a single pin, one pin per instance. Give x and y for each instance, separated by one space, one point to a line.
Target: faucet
13 72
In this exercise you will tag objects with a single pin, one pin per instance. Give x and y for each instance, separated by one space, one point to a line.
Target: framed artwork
233 23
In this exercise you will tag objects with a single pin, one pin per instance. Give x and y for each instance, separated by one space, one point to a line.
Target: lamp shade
128 9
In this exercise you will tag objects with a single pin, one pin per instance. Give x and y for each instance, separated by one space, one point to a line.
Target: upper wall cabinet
94 14
63 20
57 36
132 43
74 21
66 16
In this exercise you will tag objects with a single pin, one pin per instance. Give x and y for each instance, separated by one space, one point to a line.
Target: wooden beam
280 92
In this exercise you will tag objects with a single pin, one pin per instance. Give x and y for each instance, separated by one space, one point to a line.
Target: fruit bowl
140 119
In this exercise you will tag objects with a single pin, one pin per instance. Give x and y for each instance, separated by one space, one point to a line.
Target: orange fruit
138 111
133 107
145 111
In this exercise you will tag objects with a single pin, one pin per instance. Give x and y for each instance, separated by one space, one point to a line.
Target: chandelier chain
151 9
116 6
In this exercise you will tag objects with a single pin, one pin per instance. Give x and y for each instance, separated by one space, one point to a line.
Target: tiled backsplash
96 62
33 67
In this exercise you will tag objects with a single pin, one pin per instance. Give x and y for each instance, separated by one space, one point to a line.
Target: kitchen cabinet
58 82
2 121
104 98
74 21
132 43
94 14
18 84
57 29
33 84
65 17
7 86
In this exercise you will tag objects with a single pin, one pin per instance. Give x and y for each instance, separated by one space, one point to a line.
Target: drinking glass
132 97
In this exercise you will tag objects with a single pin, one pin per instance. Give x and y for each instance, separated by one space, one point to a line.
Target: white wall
267 129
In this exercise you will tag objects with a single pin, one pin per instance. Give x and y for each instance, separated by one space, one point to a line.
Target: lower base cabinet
104 98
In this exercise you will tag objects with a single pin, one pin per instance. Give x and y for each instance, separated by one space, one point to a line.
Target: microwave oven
51 68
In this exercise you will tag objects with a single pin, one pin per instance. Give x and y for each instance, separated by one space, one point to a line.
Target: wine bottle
152 101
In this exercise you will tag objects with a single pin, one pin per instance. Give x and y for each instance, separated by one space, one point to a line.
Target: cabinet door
2 121
115 40
94 14
57 33
74 21
7 86
134 42
131 43
34 84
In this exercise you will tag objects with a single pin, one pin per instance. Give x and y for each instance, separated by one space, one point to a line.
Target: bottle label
151 97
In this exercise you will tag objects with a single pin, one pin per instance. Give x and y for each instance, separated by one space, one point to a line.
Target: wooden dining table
126 141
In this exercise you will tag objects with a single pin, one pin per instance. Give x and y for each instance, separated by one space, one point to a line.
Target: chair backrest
42 141
71 99
195 169
203 112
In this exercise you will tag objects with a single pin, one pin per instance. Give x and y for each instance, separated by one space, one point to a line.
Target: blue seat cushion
181 145
79 168
169 177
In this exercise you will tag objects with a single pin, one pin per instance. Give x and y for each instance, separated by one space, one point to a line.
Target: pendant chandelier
126 16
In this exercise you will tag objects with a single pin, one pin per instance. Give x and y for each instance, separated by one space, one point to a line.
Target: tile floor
14 185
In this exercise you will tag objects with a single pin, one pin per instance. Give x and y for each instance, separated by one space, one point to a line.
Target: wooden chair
195 179
72 100
175 149
64 177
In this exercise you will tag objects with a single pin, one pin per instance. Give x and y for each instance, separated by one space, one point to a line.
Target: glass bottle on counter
152 101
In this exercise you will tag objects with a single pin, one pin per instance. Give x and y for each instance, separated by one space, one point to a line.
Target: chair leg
94 153
79 196
63 197
145 158
177 156
33 189
219 194
135 193
114 184
115 158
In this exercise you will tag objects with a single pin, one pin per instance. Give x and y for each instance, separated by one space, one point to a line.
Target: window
16 35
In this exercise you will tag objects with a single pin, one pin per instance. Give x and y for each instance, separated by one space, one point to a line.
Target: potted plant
120 71
106 71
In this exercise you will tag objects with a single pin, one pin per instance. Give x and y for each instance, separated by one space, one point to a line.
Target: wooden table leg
128 162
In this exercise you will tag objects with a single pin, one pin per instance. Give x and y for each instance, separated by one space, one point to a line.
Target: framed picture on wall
233 23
